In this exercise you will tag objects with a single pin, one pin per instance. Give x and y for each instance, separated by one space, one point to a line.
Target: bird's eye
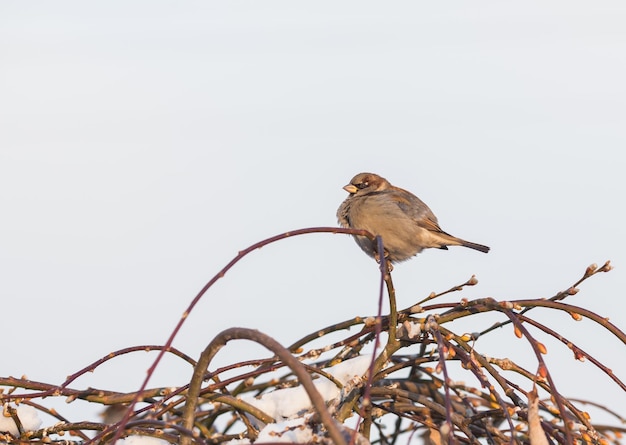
362 185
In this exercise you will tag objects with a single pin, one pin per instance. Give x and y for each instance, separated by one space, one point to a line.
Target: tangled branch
353 389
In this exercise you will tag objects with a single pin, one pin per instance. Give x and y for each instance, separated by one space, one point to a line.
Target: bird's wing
419 212
429 224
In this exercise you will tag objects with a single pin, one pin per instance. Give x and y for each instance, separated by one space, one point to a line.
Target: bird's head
365 183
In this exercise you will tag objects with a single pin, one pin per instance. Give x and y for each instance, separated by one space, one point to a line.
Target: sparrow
406 225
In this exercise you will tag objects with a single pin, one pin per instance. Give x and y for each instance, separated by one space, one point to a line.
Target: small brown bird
405 223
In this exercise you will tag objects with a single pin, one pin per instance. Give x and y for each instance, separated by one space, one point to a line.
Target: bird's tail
475 246
444 239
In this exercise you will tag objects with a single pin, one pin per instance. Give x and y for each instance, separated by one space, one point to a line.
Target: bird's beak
350 189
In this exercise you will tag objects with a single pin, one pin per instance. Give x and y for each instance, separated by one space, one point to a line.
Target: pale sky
144 143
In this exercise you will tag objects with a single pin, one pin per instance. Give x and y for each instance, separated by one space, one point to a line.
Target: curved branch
283 354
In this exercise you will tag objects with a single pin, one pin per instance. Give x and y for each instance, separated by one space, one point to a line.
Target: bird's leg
387 262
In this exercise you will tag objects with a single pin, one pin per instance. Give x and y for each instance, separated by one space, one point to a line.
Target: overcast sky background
143 144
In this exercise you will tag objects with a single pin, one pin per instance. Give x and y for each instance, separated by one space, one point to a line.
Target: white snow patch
409 329
294 430
28 416
289 402
297 431
142 440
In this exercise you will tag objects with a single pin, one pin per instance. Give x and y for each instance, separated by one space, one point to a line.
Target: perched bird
405 223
